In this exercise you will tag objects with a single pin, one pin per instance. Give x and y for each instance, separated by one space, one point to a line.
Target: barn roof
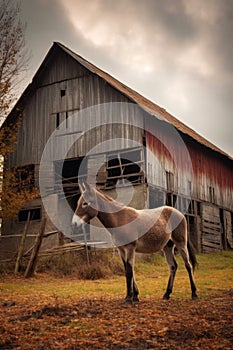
142 101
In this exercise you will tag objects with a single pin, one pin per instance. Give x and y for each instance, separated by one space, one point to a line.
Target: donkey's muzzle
77 222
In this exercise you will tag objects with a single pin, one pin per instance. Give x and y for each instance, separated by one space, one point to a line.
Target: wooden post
21 245
33 259
61 240
86 247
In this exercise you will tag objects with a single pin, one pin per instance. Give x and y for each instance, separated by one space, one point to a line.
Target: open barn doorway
71 172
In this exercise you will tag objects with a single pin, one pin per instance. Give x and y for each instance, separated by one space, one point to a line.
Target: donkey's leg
185 255
127 255
169 254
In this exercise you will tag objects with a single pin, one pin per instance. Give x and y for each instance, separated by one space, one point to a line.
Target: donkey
143 231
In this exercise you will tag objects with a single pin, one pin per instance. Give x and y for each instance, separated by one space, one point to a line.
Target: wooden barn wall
166 154
39 119
210 171
61 68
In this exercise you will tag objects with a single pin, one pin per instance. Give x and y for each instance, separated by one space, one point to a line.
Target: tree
13 61
13 53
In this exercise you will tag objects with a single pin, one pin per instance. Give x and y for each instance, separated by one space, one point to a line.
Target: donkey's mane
105 196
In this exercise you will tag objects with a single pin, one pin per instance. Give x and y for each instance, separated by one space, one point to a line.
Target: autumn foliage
47 312
42 322
13 61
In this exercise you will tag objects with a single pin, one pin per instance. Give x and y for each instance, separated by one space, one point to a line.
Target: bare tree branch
13 53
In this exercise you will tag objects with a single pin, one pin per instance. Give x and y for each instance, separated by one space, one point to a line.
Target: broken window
70 172
35 214
125 165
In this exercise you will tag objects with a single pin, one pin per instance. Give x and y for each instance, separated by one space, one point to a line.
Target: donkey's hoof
135 299
128 300
166 296
194 296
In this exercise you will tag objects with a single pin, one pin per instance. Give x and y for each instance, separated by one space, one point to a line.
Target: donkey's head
86 206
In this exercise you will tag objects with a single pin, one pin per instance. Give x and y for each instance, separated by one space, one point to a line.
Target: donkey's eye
85 204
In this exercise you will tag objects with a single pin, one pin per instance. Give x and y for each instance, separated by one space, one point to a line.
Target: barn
94 127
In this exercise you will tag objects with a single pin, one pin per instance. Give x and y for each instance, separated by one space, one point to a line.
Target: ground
62 313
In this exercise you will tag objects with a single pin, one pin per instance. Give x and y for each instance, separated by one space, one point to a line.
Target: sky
177 53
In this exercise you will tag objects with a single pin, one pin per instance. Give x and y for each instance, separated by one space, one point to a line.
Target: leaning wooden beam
33 260
47 234
21 245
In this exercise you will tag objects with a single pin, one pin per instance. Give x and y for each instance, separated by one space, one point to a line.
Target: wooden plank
206 241
33 260
210 213
207 249
21 245
212 225
211 244
211 231
212 236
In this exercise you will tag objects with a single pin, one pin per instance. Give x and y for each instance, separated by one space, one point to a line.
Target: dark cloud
48 22
178 53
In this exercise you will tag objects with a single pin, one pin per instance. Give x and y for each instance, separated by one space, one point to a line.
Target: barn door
211 228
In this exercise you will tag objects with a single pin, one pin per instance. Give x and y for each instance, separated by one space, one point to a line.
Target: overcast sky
178 53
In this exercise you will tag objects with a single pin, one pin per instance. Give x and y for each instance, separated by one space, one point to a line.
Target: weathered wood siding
211 172
211 178
211 229
82 90
167 153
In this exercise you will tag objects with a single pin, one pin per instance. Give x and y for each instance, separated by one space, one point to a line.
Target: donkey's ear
81 187
87 187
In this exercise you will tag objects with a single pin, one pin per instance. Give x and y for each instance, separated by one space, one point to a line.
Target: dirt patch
111 324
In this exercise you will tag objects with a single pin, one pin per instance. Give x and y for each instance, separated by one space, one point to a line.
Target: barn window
190 209
67 120
211 194
125 165
63 92
189 187
171 200
170 181
199 208
57 120
35 214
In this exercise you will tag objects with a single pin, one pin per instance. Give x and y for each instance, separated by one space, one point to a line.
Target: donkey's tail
192 255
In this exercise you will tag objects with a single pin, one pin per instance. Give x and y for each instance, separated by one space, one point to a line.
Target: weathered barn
164 160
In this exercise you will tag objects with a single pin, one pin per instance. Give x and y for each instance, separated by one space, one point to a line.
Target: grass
214 274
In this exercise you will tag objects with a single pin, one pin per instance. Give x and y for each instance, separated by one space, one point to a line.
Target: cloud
178 53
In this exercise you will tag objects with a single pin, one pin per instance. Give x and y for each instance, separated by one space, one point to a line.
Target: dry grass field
60 310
